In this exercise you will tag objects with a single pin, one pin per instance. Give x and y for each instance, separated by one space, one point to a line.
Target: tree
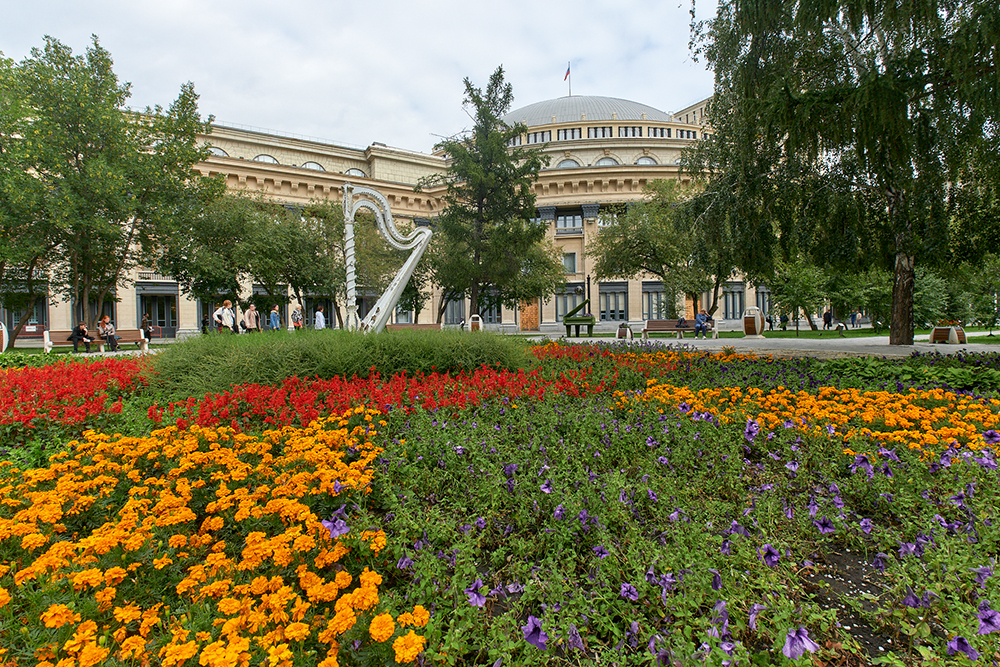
798 286
487 246
985 291
654 237
112 178
899 99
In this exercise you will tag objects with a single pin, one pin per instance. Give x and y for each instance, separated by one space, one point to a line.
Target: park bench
52 339
571 319
944 335
670 326
397 327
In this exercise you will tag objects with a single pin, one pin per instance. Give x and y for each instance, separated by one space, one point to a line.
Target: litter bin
753 322
475 323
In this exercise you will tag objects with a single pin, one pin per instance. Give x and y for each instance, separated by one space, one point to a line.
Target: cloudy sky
353 73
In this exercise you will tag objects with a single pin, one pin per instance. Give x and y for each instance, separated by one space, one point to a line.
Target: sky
389 71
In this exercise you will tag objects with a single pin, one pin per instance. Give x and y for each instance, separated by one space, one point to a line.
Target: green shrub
216 362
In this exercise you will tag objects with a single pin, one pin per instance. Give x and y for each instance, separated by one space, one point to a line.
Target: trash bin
475 323
753 322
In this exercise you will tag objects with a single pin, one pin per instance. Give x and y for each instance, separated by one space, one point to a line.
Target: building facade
603 152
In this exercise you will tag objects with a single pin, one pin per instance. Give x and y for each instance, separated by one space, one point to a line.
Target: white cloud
383 70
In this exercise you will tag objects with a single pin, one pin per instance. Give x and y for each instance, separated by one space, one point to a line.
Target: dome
572 108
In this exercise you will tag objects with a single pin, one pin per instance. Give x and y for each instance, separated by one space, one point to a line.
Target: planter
948 335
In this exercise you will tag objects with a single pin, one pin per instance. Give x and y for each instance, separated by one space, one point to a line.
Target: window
645 160
613 298
355 172
217 151
568 299
539 137
733 301
654 302
315 166
572 133
607 162
265 158
403 316
629 131
514 141
569 223
492 315
659 132
764 300
454 312
599 132
569 262
568 164
162 311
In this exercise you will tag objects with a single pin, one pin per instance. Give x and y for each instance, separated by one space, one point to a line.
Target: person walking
320 321
297 318
106 330
81 335
275 318
251 318
225 318
827 319
147 326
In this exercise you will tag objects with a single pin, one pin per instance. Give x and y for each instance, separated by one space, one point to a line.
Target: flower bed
599 506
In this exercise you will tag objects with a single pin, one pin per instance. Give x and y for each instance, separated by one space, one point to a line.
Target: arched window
217 151
606 162
265 158
356 172
645 160
315 166
568 164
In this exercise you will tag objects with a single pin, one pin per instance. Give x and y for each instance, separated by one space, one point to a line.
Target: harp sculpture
417 241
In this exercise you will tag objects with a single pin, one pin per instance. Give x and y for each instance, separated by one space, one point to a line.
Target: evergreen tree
487 247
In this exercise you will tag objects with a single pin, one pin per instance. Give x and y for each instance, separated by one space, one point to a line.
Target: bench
52 339
670 326
944 335
399 327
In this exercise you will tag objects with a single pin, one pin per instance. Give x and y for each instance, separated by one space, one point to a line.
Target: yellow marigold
329 661
370 578
408 647
229 606
4 596
343 579
84 635
92 578
178 654
178 541
381 627
365 598
280 655
342 622
421 616
115 575
405 619
133 647
92 654
127 614
57 615
296 631
33 541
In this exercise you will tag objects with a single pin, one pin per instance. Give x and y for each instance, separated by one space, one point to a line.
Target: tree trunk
901 320
28 310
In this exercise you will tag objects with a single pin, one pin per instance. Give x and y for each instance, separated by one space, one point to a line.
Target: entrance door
162 310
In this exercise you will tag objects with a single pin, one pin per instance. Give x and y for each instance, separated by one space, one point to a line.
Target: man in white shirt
320 320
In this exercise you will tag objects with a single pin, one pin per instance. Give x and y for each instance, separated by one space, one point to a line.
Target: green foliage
216 362
486 245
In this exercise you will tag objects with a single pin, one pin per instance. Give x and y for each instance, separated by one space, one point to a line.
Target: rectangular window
454 312
567 301
569 224
516 141
733 301
493 315
599 132
613 298
654 304
565 135
569 262
539 137
629 131
658 132
403 316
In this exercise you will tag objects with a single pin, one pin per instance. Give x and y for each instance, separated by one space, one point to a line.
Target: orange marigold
296 631
381 627
58 615
408 647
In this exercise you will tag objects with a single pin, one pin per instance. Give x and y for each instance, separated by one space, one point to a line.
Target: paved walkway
828 347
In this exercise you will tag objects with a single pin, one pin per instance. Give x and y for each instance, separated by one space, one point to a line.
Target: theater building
603 151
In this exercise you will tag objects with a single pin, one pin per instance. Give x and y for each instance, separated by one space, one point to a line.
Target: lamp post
588 287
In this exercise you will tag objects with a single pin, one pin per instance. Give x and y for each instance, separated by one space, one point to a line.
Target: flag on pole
567 72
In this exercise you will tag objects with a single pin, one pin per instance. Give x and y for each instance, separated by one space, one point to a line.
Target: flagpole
569 77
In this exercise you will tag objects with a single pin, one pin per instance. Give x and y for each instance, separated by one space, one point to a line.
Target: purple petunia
600 551
751 430
716 579
880 561
533 633
755 609
547 486
989 620
476 599
991 437
866 526
770 556
337 527
629 592
481 523
797 644
559 513
574 639
961 645
825 526
404 563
